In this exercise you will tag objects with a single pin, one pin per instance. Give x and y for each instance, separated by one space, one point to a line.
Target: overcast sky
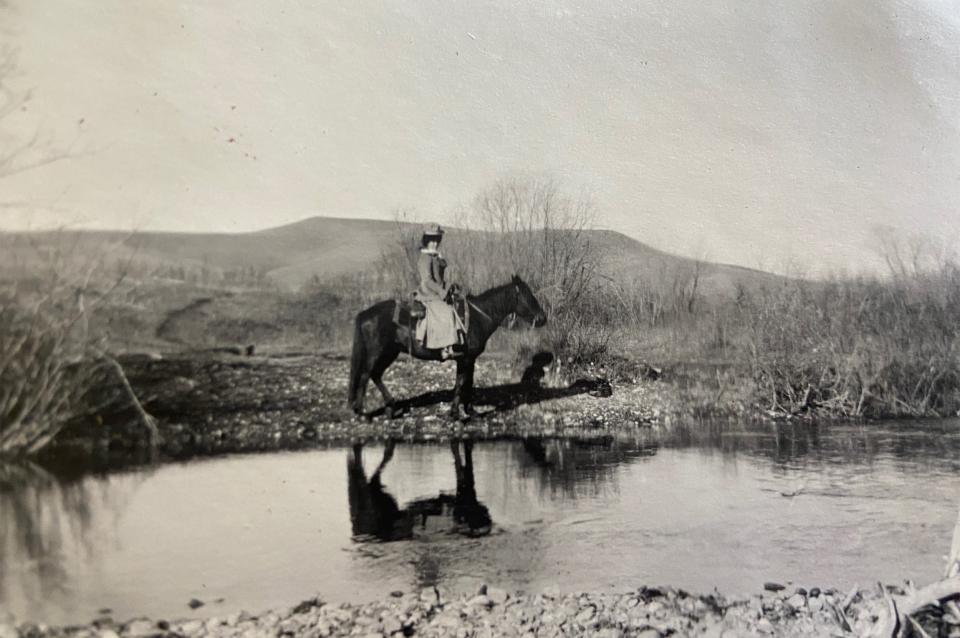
758 133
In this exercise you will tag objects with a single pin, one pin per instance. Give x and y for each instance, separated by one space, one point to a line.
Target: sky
776 135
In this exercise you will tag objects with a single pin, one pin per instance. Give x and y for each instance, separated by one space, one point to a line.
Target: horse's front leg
458 389
466 392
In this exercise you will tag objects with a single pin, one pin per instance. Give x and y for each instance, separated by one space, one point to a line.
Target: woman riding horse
438 330
383 331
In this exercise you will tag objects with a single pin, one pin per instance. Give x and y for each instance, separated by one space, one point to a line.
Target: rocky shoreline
217 404
648 612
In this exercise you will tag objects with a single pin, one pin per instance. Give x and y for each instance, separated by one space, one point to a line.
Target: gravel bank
214 404
647 613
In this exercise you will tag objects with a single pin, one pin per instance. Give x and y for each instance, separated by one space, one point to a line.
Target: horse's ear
516 279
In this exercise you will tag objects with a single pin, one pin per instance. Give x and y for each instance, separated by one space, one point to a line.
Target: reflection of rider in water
373 512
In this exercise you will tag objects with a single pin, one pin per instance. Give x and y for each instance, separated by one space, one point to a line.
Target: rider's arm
428 279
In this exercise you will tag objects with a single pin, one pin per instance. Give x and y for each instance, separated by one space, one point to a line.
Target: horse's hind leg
376 374
361 393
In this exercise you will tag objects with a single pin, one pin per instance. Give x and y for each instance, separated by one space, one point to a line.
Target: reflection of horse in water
374 512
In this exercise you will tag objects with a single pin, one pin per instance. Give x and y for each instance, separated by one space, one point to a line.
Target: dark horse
378 341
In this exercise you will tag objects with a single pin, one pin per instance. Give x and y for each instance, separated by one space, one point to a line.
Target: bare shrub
50 356
859 347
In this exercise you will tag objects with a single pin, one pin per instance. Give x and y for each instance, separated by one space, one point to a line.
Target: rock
290 626
497 596
797 602
815 604
446 620
191 627
814 592
140 628
586 615
771 586
391 625
765 626
397 593
551 591
480 600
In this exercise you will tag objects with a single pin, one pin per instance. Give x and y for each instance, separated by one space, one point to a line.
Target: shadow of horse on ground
501 398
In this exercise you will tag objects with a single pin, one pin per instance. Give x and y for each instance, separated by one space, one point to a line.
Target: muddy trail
214 403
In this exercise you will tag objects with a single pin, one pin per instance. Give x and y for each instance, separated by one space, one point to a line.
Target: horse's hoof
459 414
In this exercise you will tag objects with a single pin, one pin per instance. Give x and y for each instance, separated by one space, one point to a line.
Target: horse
378 341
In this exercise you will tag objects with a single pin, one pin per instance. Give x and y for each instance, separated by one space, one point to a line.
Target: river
725 506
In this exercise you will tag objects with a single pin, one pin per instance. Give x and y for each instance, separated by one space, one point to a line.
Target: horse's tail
357 362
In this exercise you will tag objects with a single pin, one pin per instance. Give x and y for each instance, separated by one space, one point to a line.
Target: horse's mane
491 292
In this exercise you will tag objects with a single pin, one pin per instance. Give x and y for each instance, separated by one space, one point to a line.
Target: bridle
511 318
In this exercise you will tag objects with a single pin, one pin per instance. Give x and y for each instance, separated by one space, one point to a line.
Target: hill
330 246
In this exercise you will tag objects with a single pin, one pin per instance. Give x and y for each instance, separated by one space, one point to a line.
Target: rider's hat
433 230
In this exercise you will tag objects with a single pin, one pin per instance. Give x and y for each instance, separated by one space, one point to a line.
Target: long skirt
439 327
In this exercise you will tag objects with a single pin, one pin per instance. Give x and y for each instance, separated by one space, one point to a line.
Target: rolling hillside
328 246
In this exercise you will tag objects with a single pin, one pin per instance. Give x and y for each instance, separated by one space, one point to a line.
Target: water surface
710 506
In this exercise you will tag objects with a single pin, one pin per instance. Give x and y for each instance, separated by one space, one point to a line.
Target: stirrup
449 353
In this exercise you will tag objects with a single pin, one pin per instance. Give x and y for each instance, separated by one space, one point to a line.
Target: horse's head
528 308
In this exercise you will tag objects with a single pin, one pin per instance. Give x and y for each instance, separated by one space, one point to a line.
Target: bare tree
532 228
910 255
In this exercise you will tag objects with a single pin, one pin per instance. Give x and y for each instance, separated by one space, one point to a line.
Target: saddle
408 313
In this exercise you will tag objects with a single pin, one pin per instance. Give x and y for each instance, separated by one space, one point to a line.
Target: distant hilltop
330 246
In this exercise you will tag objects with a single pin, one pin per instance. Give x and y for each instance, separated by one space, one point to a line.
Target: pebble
771 586
497 596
